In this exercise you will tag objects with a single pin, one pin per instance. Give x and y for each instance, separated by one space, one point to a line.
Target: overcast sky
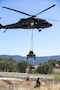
17 41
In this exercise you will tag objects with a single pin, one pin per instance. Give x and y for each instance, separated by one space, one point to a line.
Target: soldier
38 82
27 79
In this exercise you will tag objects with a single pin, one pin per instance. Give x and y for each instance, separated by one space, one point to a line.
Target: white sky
17 41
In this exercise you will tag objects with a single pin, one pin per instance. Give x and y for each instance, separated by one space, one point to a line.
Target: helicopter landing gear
39 30
31 55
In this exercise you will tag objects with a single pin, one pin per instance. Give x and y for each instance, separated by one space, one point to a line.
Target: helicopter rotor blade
53 20
29 14
45 10
17 11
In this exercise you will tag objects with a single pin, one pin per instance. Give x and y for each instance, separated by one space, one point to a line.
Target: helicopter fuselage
29 23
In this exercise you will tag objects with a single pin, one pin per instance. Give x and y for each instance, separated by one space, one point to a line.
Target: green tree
1 64
45 68
8 64
22 66
12 65
58 62
53 62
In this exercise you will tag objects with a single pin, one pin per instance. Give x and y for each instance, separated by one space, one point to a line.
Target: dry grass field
57 71
20 83
29 85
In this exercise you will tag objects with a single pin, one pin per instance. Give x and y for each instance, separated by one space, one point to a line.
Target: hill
31 60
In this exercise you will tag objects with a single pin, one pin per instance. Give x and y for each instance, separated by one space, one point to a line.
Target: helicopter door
38 23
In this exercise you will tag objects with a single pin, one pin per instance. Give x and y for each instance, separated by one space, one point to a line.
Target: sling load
31 53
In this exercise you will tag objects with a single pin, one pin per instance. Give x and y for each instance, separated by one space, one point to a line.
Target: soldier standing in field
38 82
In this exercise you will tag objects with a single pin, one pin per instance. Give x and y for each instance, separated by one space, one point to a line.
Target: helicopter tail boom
0 26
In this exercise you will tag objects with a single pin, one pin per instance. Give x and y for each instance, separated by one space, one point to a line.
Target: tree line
10 65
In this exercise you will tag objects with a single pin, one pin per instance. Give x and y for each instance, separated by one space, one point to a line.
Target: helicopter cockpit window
24 23
44 21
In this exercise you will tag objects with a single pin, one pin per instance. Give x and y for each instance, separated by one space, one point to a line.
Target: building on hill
57 66
32 68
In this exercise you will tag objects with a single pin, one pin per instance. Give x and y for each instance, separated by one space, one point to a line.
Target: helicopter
32 22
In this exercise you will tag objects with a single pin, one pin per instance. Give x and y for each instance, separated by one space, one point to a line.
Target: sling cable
31 53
